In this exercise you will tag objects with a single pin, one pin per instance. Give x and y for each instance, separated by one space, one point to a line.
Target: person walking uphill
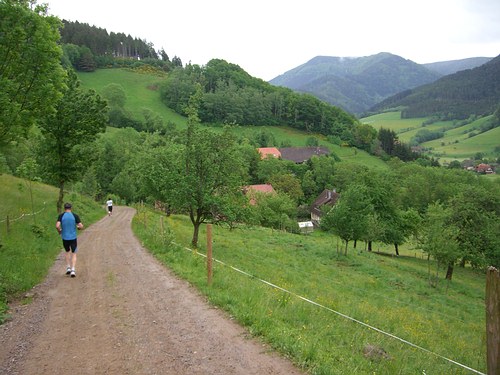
67 225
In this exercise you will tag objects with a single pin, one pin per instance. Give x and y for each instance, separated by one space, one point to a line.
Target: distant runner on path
109 203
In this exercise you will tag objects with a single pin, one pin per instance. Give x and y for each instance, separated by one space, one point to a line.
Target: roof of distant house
266 151
261 188
327 197
250 190
302 154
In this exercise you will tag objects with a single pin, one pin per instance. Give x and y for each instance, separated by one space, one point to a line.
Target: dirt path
125 313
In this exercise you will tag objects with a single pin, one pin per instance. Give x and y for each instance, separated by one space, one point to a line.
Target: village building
302 154
326 198
251 191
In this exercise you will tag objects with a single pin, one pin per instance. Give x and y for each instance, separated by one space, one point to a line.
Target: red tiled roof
266 151
262 188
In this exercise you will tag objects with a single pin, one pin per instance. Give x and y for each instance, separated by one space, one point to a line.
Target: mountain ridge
455 96
358 83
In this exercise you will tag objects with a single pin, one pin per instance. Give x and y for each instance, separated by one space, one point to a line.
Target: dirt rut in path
125 313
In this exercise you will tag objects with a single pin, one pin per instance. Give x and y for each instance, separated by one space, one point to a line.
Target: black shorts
70 245
110 208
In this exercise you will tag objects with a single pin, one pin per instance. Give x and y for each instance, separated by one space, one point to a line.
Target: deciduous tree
80 116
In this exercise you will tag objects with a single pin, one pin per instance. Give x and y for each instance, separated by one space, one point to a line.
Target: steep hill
449 67
356 84
456 96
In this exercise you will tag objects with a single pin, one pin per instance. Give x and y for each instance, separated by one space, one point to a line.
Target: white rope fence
24 215
342 315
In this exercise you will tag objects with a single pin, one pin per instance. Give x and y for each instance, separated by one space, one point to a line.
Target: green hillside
455 96
141 90
138 88
458 143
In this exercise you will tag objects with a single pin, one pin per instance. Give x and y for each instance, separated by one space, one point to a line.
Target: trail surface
125 313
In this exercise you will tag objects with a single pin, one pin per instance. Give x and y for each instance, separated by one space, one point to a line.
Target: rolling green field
140 95
323 309
456 143
141 90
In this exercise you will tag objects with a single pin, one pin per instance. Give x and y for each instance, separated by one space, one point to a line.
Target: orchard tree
439 238
31 75
199 177
475 211
202 179
80 116
350 217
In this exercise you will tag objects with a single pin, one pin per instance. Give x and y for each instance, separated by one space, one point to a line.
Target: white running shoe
73 273
68 270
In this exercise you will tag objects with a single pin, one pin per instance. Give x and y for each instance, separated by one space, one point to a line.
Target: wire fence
23 215
341 314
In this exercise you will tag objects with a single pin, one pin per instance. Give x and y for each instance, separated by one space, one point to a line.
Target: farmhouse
327 197
252 190
302 154
484 169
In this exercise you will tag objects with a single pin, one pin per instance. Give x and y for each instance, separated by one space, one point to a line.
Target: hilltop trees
31 76
232 96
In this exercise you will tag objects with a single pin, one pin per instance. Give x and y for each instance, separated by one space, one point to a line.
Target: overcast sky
269 37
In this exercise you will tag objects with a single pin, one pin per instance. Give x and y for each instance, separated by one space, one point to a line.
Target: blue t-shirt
68 225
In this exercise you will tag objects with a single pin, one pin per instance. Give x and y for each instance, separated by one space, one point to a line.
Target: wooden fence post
493 320
8 224
209 254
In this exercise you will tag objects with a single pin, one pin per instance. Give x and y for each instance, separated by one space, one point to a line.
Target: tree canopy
31 76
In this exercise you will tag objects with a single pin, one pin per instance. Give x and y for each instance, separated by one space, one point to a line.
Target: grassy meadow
29 244
457 144
141 90
388 293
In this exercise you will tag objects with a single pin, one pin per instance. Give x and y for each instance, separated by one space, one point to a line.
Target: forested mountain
449 67
356 84
456 96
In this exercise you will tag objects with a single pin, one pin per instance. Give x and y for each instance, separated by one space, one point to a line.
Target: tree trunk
369 245
449 271
196 230
355 242
61 197
346 242
396 248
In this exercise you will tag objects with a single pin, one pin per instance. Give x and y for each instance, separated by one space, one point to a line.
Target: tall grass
29 243
388 293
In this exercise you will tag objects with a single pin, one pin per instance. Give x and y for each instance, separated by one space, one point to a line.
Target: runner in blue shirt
67 224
